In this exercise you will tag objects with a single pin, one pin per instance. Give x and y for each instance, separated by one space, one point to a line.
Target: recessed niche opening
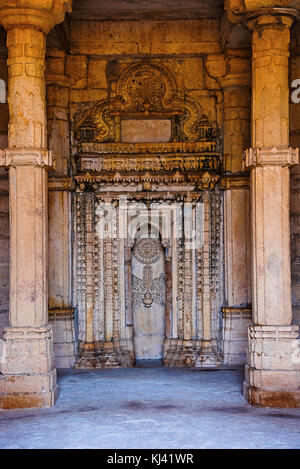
146 130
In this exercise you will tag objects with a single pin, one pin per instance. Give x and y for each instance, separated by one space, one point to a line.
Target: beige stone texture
157 130
59 248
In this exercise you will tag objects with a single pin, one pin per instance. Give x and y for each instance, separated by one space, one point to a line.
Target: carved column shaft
269 161
28 160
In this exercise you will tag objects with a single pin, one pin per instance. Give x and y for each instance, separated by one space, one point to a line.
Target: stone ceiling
143 9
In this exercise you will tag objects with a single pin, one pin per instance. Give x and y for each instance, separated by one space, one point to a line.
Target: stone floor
150 408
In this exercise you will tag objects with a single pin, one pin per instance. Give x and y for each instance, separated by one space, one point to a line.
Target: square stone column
28 376
273 359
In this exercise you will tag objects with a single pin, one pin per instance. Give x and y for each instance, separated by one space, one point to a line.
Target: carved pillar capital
37 158
244 11
254 157
38 14
276 18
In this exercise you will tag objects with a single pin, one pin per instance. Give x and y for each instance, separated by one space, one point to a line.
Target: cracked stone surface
150 408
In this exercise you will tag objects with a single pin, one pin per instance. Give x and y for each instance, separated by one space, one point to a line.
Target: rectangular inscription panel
146 131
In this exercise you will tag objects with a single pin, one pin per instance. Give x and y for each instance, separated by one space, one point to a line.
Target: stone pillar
273 366
28 374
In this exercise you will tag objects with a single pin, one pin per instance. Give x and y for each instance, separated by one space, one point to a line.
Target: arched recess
148 265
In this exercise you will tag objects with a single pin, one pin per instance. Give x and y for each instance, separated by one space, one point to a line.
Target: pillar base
104 355
28 376
25 391
193 353
272 374
271 397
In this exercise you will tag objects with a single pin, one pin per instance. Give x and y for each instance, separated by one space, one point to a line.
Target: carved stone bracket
61 184
234 182
271 157
27 157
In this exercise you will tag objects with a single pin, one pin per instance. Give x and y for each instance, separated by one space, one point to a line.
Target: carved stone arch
146 87
148 294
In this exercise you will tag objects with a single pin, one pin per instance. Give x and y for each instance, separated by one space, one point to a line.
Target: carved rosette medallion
147 251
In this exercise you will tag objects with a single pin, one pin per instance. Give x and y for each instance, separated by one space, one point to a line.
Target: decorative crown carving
145 90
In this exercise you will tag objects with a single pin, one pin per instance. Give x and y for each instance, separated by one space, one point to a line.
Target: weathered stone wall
101 50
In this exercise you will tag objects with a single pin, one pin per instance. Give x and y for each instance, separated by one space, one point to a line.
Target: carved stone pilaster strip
116 282
81 264
108 288
206 268
188 270
216 273
199 269
180 275
90 235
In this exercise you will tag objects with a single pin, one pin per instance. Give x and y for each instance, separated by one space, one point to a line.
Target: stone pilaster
29 376
236 91
60 185
273 367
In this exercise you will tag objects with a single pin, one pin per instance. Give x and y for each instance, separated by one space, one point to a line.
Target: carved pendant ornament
148 251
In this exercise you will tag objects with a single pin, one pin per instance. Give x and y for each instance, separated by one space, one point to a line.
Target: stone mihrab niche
148 226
